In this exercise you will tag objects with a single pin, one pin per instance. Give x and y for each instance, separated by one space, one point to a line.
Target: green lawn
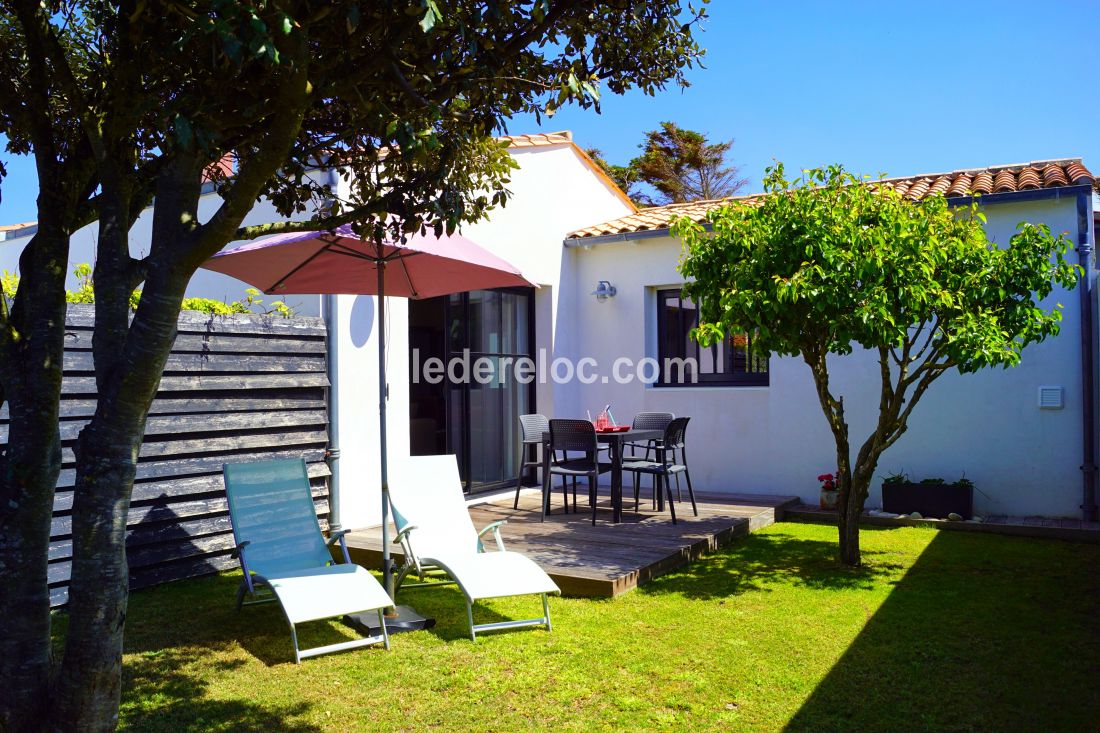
943 631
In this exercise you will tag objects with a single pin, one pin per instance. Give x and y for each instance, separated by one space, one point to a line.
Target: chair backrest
675 432
533 427
426 492
573 435
271 508
652 420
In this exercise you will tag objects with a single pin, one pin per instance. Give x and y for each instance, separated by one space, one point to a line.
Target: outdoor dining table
616 441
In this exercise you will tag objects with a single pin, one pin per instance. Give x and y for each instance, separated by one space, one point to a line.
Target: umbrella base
403 619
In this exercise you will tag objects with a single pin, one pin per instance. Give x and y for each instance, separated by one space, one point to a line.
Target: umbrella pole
387 569
397 618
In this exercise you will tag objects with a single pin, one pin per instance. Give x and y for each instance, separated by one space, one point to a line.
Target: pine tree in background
683 166
680 165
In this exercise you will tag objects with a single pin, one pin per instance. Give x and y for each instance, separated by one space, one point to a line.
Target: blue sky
882 87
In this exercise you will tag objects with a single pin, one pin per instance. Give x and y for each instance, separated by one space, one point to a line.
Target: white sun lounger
438 537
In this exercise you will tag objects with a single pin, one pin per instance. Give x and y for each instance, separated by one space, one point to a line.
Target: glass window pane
485 321
514 326
456 323
733 360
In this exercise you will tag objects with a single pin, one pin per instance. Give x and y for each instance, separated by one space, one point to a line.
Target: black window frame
730 378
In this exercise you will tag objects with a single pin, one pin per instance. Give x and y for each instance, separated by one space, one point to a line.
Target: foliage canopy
823 264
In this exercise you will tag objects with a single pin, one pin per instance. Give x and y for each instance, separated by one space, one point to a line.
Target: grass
941 631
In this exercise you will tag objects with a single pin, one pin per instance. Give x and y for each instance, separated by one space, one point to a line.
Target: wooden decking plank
608 559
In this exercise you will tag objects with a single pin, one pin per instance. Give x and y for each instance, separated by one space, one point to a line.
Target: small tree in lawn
829 262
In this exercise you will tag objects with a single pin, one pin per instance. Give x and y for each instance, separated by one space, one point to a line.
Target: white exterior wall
775 439
554 192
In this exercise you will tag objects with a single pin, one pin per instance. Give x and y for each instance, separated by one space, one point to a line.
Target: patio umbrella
340 262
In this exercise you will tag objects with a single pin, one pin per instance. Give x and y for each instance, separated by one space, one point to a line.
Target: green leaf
432 15
185 134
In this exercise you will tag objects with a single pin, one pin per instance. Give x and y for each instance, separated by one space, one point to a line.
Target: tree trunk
848 513
850 507
30 373
88 689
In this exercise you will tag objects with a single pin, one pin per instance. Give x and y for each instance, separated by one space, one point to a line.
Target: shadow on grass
160 694
981 633
758 561
445 603
182 635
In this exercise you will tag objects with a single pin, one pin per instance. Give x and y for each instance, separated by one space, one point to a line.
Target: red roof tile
995 179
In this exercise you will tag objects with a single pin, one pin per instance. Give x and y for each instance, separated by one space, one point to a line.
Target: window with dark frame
732 363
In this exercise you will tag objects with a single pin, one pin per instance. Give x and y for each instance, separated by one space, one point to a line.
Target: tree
822 265
126 104
682 166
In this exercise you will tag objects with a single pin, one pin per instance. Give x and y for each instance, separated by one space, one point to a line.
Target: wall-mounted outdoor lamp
604 290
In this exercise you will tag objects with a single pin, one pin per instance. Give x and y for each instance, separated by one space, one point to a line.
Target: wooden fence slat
83 316
220 382
218 343
160 527
81 361
200 465
161 426
201 404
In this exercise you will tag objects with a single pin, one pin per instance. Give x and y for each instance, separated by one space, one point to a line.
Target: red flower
828 482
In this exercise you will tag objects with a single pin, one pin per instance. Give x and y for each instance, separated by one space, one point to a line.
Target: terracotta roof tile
940 186
1053 175
1078 173
995 179
1004 181
961 185
983 183
1028 179
918 190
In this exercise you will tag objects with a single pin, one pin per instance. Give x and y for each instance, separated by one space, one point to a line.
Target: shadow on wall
362 319
970 640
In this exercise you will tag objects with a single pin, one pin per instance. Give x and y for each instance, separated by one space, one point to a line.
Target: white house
755 422
763 431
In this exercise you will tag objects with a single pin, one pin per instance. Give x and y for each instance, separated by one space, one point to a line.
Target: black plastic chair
664 466
532 428
573 436
648 421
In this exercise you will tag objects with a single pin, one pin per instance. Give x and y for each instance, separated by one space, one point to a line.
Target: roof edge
1056 192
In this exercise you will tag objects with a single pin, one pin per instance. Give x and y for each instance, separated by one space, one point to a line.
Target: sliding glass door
471 411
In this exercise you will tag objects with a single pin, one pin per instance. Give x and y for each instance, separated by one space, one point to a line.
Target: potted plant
931 497
829 491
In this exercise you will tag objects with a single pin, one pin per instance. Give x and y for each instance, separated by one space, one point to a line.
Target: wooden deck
608 559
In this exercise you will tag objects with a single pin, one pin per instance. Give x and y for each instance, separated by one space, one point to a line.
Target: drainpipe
332 455
1088 386
331 309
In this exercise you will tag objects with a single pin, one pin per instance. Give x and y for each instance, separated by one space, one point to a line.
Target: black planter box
931 500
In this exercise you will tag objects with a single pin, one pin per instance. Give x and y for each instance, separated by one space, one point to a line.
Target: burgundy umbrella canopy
339 262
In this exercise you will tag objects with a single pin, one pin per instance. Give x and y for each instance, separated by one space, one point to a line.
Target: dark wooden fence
236 388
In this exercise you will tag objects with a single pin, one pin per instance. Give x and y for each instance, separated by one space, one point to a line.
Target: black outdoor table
616 441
